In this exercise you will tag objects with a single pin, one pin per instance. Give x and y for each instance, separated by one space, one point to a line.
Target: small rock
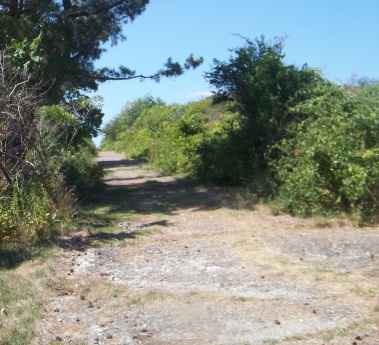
77 320
354 343
90 305
277 322
314 311
57 338
144 329
82 297
72 270
56 310
358 337
263 277
109 336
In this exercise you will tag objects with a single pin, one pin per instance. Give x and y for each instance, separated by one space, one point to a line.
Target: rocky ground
185 264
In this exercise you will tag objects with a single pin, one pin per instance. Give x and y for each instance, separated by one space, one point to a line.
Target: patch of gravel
339 249
214 276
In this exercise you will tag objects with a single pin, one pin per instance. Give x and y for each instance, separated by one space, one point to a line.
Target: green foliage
126 118
80 171
261 88
71 151
27 56
331 165
26 214
223 157
165 136
71 38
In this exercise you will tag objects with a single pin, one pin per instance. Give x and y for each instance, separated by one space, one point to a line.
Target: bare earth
199 266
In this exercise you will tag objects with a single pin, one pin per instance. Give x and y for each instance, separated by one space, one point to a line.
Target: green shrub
82 173
26 213
331 165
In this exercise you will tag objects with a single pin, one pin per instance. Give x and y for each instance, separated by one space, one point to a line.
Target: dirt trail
198 266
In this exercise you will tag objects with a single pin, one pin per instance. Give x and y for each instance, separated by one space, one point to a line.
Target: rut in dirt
188 264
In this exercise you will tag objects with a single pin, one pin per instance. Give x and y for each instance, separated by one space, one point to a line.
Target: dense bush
125 119
26 213
331 165
261 88
167 136
82 173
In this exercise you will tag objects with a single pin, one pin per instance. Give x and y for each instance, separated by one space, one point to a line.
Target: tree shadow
124 163
168 197
82 242
11 258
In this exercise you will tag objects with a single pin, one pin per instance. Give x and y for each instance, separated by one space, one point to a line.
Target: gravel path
200 266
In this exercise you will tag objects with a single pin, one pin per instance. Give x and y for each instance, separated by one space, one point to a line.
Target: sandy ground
198 265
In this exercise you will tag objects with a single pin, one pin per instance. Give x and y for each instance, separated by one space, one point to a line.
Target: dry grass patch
20 308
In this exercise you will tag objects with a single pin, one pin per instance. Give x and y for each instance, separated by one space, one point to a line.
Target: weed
294 338
270 341
340 332
154 295
136 301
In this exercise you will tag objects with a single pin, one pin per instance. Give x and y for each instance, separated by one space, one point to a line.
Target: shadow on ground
84 241
11 258
149 197
112 164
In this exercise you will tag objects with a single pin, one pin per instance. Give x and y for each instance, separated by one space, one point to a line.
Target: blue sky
341 37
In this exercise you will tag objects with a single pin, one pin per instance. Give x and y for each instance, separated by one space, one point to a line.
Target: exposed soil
197 265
